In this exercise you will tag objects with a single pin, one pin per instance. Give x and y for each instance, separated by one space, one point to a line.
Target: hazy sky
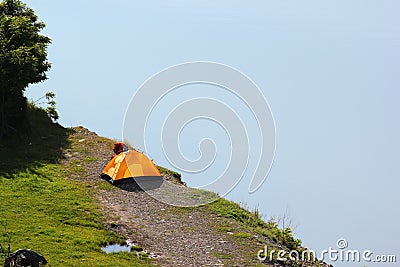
329 70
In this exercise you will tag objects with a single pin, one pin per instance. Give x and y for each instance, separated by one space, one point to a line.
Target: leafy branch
49 100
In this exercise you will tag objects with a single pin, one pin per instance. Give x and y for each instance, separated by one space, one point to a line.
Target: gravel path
175 237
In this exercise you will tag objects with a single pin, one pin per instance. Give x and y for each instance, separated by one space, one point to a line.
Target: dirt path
175 236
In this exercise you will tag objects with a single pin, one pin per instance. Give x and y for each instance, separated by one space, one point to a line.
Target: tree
23 61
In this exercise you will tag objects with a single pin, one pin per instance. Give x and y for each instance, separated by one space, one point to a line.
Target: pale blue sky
329 70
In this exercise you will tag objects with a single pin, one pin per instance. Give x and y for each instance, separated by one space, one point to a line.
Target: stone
25 258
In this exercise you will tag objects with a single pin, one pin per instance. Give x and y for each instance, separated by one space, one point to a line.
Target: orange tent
129 165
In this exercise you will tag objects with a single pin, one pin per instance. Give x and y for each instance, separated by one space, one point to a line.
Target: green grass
43 145
166 171
251 227
47 213
222 255
252 222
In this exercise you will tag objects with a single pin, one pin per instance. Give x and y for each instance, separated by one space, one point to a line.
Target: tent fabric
129 165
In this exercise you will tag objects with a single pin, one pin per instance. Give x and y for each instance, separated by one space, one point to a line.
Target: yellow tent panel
129 165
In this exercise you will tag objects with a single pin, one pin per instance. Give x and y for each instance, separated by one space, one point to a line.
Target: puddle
116 248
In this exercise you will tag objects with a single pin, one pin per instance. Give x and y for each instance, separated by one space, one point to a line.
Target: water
116 248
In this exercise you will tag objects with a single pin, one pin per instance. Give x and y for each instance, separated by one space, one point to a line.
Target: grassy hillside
44 211
52 201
